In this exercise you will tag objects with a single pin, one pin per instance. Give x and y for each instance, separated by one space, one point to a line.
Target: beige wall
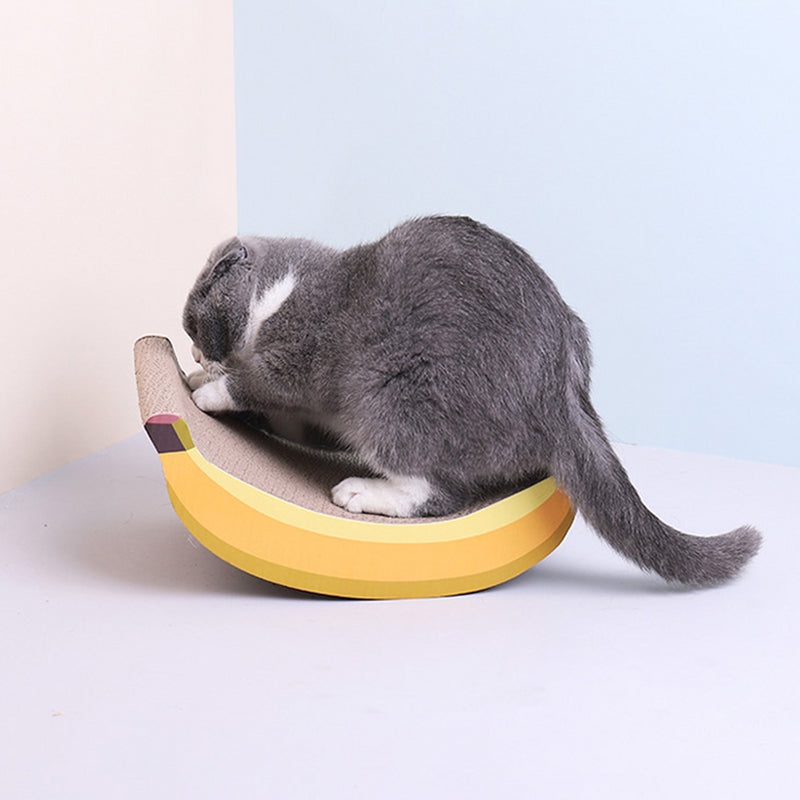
117 175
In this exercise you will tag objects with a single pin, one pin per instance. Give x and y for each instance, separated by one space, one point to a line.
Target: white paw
197 378
214 396
392 497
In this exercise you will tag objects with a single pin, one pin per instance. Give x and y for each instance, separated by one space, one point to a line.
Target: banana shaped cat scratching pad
264 506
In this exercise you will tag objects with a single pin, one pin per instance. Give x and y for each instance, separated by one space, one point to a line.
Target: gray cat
446 360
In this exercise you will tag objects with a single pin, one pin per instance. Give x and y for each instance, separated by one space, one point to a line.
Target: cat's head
215 314
245 281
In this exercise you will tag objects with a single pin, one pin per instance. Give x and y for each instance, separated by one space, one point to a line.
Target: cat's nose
196 354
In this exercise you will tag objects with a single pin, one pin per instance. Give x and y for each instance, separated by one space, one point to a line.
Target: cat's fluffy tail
596 482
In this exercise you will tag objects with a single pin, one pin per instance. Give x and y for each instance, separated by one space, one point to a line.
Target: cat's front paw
196 379
392 497
214 397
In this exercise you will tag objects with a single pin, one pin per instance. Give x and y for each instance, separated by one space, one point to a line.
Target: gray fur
441 351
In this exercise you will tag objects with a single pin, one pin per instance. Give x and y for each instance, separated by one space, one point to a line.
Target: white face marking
265 306
395 496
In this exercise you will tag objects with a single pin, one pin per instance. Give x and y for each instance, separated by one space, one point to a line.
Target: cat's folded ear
230 253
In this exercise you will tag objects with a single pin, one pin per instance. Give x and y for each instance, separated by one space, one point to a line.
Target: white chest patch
265 305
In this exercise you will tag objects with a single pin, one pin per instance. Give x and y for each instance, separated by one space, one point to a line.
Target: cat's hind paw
391 497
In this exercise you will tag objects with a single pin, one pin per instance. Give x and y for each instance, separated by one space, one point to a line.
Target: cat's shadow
154 555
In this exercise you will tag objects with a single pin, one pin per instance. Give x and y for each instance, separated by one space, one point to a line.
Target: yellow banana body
293 546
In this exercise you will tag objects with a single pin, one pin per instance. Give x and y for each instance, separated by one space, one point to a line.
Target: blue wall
646 154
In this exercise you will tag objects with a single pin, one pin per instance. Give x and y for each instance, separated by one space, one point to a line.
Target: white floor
137 665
